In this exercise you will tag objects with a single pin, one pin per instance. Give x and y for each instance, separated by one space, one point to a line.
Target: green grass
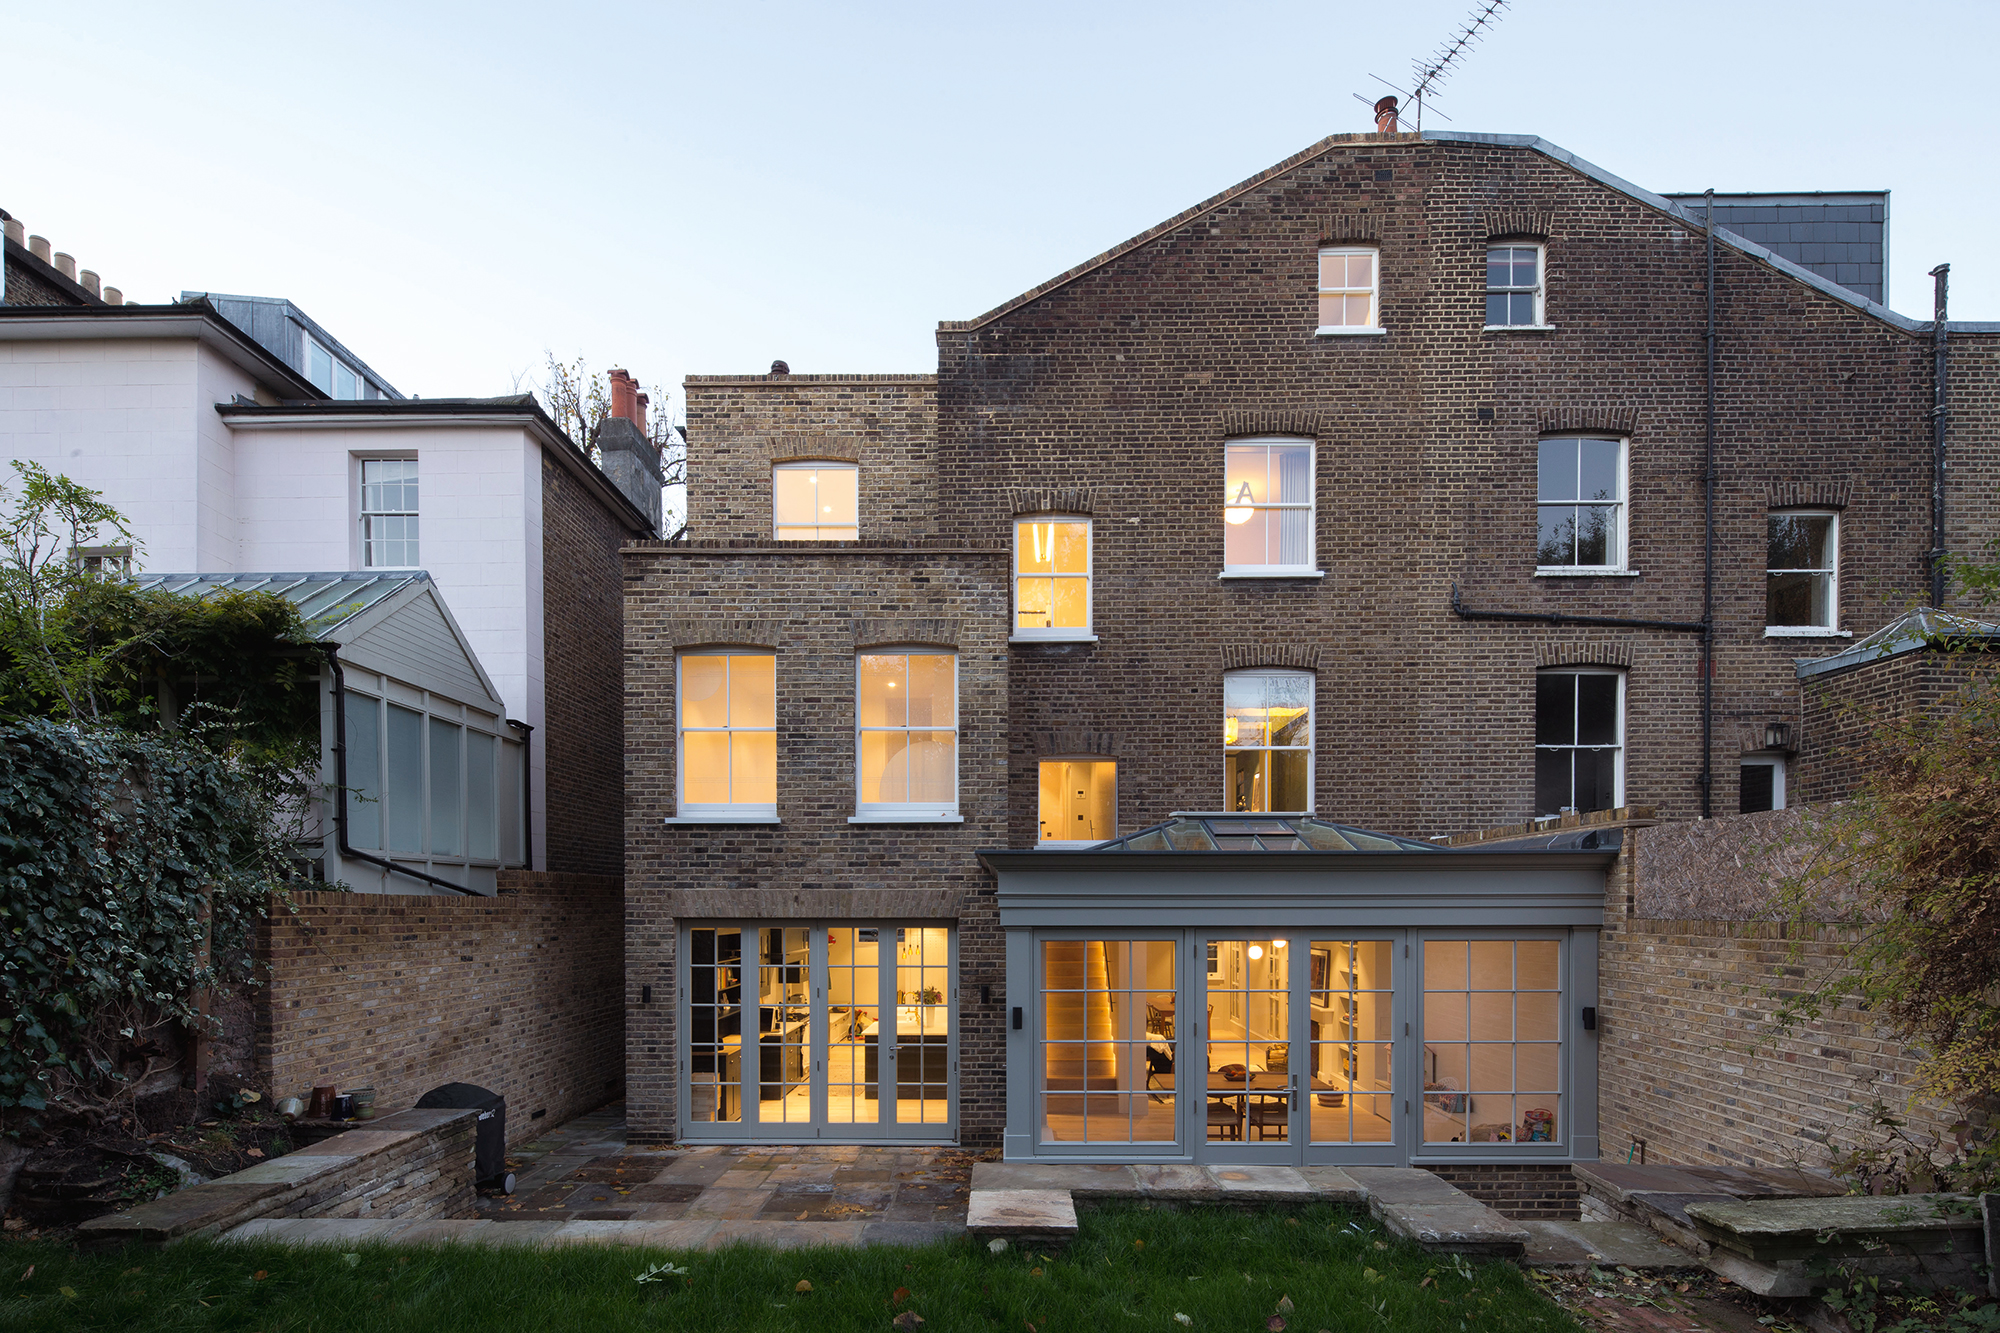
1132 1268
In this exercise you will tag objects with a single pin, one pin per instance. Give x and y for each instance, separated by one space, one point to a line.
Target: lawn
1131 1268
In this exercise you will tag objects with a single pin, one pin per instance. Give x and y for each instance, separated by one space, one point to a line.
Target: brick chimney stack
1385 116
626 452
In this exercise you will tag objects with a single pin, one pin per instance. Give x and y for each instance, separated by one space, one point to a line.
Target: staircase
1077 997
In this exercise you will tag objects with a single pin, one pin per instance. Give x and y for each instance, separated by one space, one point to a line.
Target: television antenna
1428 74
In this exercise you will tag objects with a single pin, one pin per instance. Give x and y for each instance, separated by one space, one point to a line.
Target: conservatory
1227 988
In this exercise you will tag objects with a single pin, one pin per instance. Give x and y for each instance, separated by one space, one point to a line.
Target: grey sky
452 189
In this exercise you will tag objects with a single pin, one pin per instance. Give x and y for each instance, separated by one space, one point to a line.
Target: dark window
1579 737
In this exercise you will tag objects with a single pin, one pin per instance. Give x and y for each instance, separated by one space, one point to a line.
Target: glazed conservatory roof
1230 832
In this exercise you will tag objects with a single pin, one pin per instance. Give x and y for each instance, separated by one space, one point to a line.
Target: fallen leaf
1276 1323
31 1272
1371 1275
908 1319
71 1293
1425 1283
1180 1318
1381 1245
259 1275
801 1217
351 1260
16 1224
1138 1244
997 1244
902 1294
1284 1305
803 1285
253 1152
1036 1271
1291 1221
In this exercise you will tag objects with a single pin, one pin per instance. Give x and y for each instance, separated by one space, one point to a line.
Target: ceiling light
1256 952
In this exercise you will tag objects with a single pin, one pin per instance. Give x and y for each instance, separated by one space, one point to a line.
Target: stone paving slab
1403 1184
1456 1228
1620 1180
1260 1184
1081 1180
1173 1181
1800 1228
319 1230
1022 1214
1590 1244
1332 1184
784 1235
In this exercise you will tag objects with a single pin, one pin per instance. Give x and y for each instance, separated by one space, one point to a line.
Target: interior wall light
1237 515
1256 952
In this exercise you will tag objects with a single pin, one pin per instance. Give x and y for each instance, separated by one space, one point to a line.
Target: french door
804 1032
1299 1051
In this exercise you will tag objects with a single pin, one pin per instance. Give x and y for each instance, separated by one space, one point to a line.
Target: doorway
804 1032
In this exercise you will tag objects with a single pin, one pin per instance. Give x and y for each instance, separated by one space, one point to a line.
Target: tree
1913 860
578 400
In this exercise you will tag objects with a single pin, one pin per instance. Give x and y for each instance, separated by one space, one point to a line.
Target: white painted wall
134 419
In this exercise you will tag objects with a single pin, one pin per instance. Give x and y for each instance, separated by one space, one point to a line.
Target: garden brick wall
519 993
812 603
583 729
1843 709
1531 1190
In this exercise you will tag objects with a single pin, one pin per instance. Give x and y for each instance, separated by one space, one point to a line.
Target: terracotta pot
321 1105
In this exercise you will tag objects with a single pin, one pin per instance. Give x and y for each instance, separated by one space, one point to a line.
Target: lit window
1492 1047
729 734
1107 1024
1052 578
906 734
1580 498
389 513
1079 801
1802 578
816 502
1579 740
1347 289
1761 783
1267 737
1513 286
1267 509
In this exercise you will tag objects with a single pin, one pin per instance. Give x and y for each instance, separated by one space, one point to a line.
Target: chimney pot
16 233
38 246
1385 116
640 419
112 296
91 282
66 265
780 368
624 396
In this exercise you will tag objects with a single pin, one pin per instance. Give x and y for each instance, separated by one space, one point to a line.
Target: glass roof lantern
1228 832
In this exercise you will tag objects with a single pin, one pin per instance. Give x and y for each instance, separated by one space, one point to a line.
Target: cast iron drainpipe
332 651
1940 402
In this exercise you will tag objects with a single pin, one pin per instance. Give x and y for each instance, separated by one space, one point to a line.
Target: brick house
988 780
241 438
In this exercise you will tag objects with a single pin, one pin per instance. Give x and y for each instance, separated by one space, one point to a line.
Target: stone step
1601 1244
1419 1206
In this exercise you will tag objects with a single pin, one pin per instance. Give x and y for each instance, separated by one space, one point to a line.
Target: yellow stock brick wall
520 994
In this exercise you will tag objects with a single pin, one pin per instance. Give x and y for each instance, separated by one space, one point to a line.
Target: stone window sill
1272 574
722 819
1519 328
1805 632
1053 638
1583 572
906 819
1342 331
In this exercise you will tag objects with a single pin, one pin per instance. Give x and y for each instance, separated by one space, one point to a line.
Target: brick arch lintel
1296 656
793 447
1249 421
1615 420
892 631
1074 740
1583 652
721 632
1051 500
1349 229
1535 223
1809 494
